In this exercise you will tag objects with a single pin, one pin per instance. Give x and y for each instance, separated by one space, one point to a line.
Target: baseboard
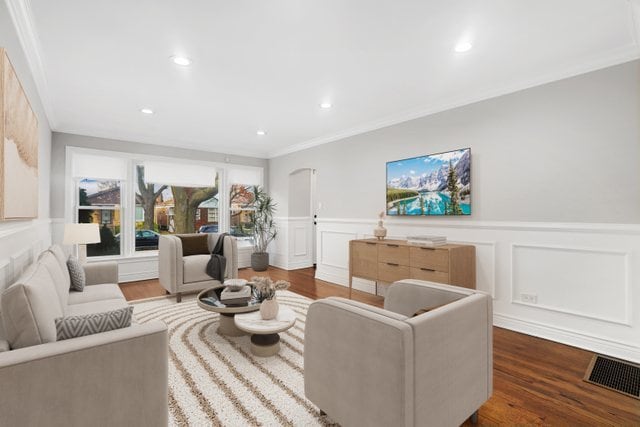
568 337
140 275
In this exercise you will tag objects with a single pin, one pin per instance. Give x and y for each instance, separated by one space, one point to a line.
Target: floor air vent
617 375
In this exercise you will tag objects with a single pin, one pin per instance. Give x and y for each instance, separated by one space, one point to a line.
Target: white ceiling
268 64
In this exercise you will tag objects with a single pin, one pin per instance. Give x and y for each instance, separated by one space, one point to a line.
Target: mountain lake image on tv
437 184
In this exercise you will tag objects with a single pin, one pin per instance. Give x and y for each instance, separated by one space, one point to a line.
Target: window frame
128 199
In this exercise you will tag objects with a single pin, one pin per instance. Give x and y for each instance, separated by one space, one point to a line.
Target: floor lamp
81 235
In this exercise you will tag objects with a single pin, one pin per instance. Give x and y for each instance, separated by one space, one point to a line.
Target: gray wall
63 140
299 193
567 151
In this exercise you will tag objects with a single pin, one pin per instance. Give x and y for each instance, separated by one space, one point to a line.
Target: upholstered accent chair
180 274
389 367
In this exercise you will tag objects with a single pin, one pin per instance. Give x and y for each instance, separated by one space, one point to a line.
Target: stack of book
427 241
235 297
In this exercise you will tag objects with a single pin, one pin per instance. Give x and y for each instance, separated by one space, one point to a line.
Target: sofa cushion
78 326
96 293
195 268
62 257
29 308
60 280
194 244
76 273
95 307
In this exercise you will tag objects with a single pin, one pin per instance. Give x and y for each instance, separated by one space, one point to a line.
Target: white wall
21 241
555 199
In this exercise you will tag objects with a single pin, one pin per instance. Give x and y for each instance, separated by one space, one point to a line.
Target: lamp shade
81 234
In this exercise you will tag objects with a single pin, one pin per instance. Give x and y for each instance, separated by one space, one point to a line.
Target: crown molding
625 54
22 17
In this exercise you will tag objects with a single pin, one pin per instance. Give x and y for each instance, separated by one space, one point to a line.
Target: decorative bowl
235 284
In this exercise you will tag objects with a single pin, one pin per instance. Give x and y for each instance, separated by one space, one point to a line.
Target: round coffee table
209 299
265 340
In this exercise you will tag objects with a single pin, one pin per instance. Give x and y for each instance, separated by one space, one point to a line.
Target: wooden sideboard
390 260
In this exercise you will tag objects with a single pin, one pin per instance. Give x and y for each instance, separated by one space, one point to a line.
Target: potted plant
264 228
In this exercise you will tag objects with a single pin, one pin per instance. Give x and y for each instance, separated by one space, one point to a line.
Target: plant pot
260 261
269 309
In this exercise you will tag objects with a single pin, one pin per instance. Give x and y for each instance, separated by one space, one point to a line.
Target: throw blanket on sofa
218 263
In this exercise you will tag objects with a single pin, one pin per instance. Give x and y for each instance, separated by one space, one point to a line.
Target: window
99 202
241 199
135 200
168 208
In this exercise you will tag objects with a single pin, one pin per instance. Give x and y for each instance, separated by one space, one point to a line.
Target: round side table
265 340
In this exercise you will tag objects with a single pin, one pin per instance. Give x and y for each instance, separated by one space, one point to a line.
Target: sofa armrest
98 273
120 376
358 365
170 262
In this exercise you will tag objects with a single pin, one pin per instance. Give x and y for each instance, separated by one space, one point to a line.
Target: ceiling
267 65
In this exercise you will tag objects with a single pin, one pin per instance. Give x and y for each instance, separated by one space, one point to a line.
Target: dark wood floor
536 382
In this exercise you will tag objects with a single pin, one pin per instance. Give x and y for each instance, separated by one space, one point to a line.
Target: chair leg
474 418
179 297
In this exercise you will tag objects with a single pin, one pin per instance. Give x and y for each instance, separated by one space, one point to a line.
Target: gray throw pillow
76 274
89 324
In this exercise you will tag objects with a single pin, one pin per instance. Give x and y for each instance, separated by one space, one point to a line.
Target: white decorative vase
269 309
380 232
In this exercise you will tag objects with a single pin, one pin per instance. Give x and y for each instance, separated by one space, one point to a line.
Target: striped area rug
215 380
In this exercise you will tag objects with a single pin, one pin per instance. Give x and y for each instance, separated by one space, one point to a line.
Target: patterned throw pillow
89 324
76 274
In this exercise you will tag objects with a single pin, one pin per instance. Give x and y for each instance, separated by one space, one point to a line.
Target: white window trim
127 198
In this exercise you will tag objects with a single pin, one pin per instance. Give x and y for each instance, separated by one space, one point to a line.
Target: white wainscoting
293 246
584 278
21 242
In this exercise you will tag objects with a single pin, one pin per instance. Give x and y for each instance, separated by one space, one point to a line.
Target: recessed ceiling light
325 105
261 133
463 47
146 111
181 60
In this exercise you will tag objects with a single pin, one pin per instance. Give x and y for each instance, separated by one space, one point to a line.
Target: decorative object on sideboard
264 228
437 184
267 288
19 151
380 232
427 241
81 235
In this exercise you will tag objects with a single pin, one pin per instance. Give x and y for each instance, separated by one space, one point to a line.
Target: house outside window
99 201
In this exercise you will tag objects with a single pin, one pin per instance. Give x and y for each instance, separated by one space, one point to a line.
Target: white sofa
366 366
181 274
112 378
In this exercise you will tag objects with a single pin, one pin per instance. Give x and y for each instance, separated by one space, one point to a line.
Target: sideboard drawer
434 259
364 260
429 274
395 254
391 272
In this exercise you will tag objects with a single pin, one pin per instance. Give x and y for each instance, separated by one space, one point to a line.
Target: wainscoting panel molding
293 247
574 283
580 273
21 243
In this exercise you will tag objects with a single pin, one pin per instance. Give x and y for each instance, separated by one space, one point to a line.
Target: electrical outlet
529 298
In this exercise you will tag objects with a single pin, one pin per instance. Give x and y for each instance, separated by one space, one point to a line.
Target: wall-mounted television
437 184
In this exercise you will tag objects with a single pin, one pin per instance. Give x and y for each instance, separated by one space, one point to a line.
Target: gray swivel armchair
366 366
